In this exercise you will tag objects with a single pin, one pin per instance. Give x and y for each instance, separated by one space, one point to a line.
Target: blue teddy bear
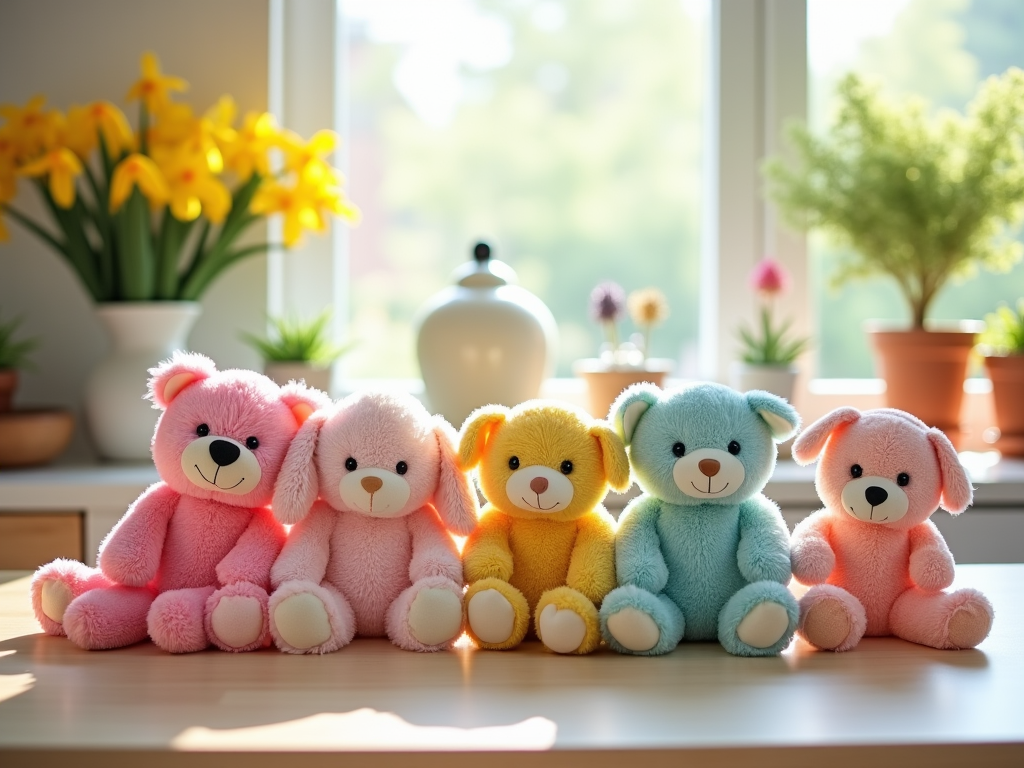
702 554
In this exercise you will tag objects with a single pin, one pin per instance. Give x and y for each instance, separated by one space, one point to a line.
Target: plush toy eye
401 467
856 470
351 464
678 449
902 479
513 463
203 430
566 467
734 448
252 443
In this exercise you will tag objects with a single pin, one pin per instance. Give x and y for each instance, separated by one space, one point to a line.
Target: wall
76 52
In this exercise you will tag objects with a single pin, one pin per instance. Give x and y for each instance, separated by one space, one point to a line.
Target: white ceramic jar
483 340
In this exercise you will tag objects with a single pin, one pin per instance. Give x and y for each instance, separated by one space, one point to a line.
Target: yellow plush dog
544 543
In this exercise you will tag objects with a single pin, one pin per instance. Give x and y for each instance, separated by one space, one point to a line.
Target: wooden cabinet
29 539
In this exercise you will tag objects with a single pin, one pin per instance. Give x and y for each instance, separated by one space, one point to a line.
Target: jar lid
483 271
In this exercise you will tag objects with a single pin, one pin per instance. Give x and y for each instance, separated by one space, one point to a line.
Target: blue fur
713 559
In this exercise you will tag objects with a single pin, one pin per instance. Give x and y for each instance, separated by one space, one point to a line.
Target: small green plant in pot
15 355
300 349
921 200
1002 344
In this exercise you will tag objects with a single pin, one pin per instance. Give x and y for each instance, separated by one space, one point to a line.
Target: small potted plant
769 351
622 363
14 356
1002 343
921 200
299 349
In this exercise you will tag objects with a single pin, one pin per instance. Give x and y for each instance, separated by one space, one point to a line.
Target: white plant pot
281 372
143 333
778 379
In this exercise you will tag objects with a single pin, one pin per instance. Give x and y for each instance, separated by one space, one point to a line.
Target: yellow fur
564 557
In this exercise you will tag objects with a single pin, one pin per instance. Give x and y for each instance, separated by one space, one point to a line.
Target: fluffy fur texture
390 495
201 535
879 564
544 539
701 549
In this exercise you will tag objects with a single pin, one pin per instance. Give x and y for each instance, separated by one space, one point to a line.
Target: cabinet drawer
30 539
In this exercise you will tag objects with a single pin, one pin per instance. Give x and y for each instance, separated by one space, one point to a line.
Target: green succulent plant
1004 331
294 339
14 353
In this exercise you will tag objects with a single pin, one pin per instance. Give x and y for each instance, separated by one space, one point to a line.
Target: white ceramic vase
143 334
778 379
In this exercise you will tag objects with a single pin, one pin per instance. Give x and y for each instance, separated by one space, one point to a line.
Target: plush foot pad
435 616
561 630
237 620
827 624
764 625
302 621
56 596
634 630
968 626
491 616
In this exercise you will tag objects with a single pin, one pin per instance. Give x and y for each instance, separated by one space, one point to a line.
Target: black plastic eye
401 467
734 448
902 479
678 449
252 443
513 463
856 470
203 430
566 467
351 464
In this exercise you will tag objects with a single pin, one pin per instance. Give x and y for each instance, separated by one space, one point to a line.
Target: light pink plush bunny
189 563
374 556
880 565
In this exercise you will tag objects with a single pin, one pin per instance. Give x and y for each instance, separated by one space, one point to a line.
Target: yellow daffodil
32 129
176 129
193 189
137 170
85 124
301 154
63 166
154 87
297 204
251 146
326 184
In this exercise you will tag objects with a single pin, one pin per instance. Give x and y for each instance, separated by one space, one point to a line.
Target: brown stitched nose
371 484
539 484
708 467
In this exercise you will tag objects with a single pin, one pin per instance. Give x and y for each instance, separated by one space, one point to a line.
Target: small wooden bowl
34 436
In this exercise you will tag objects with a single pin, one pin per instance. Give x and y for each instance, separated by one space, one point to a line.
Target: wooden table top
888 702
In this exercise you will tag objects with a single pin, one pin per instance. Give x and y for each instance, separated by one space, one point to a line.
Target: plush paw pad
968 626
435 616
764 625
55 598
561 630
634 630
237 620
827 624
302 621
491 616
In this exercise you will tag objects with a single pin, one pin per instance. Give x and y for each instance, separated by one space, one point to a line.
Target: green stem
202 278
36 229
173 234
143 127
138 272
77 246
101 217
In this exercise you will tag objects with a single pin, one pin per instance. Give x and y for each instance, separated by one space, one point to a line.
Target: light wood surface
887 702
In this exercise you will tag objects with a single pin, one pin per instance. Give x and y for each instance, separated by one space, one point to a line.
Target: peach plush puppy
189 563
545 545
374 555
879 565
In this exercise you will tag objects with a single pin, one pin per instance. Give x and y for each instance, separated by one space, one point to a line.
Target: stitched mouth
214 481
871 515
539 507
709 492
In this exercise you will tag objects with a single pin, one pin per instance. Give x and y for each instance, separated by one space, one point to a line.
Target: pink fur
375 562
184 538
895 571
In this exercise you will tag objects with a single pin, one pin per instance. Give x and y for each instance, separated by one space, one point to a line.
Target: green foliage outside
294 339
14 353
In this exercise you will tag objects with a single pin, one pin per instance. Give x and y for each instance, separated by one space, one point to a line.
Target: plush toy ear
782 419
629 406
613 456
297 483
957 492
168 379
480 426
812 440
454 499
303 400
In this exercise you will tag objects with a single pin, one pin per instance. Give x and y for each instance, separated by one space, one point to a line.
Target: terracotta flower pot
924 371
1007 375
605 384
8 383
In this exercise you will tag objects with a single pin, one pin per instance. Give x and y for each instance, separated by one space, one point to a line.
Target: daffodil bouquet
156 214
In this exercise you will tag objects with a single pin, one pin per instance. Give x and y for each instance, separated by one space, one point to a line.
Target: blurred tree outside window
940 50
565 132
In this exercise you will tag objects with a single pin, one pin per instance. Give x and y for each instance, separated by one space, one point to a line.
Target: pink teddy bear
879 564
374 556
189 563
